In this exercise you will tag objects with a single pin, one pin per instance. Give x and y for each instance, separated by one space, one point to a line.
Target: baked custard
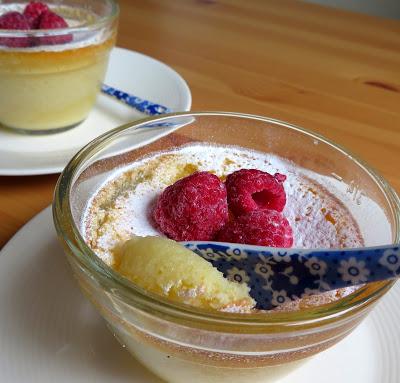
108 195
52 78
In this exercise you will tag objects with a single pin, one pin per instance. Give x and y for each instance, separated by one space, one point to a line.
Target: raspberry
259 227
50 20
33 11
13 20
252 189
16 21
193 208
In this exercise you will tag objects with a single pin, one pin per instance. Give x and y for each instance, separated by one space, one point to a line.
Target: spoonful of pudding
244 242
237 278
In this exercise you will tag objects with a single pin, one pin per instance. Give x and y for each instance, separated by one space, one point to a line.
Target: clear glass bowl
181 343
53 76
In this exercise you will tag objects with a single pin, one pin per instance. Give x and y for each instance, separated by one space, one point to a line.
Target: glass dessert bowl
179 341
53 76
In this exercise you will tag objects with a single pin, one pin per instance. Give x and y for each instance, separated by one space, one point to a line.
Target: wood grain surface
331 71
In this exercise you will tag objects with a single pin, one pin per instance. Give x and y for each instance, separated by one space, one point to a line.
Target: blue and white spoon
277 275
148 107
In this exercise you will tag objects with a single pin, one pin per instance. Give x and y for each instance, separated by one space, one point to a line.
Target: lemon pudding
106 195
164 267
119 228
53 81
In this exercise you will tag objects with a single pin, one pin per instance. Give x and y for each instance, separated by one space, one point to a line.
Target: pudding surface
122 206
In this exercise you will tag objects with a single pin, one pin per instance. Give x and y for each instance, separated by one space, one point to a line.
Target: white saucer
50 333
133 72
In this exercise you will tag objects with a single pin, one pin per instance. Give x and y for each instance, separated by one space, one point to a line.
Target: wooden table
331 71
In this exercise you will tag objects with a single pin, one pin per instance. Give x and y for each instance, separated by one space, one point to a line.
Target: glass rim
153 303
97 24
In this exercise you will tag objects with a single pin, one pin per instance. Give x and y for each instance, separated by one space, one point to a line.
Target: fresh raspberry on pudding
33 11
50 20
259 227
193 208
253 189
16 21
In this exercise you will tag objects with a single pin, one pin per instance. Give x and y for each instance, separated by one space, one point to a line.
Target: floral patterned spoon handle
279 275
144 106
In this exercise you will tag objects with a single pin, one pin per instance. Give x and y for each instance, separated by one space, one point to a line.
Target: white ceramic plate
133 72
50 333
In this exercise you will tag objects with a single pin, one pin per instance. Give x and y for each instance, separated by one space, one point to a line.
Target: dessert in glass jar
53 59
178 315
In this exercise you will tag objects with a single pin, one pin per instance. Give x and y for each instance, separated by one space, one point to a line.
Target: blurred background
383 8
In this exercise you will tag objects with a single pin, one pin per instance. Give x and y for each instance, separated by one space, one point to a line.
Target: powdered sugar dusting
121 208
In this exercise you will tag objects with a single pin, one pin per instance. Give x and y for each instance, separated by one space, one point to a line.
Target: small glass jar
50 78
180 343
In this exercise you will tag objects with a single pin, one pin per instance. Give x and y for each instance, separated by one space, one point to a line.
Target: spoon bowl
278 275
